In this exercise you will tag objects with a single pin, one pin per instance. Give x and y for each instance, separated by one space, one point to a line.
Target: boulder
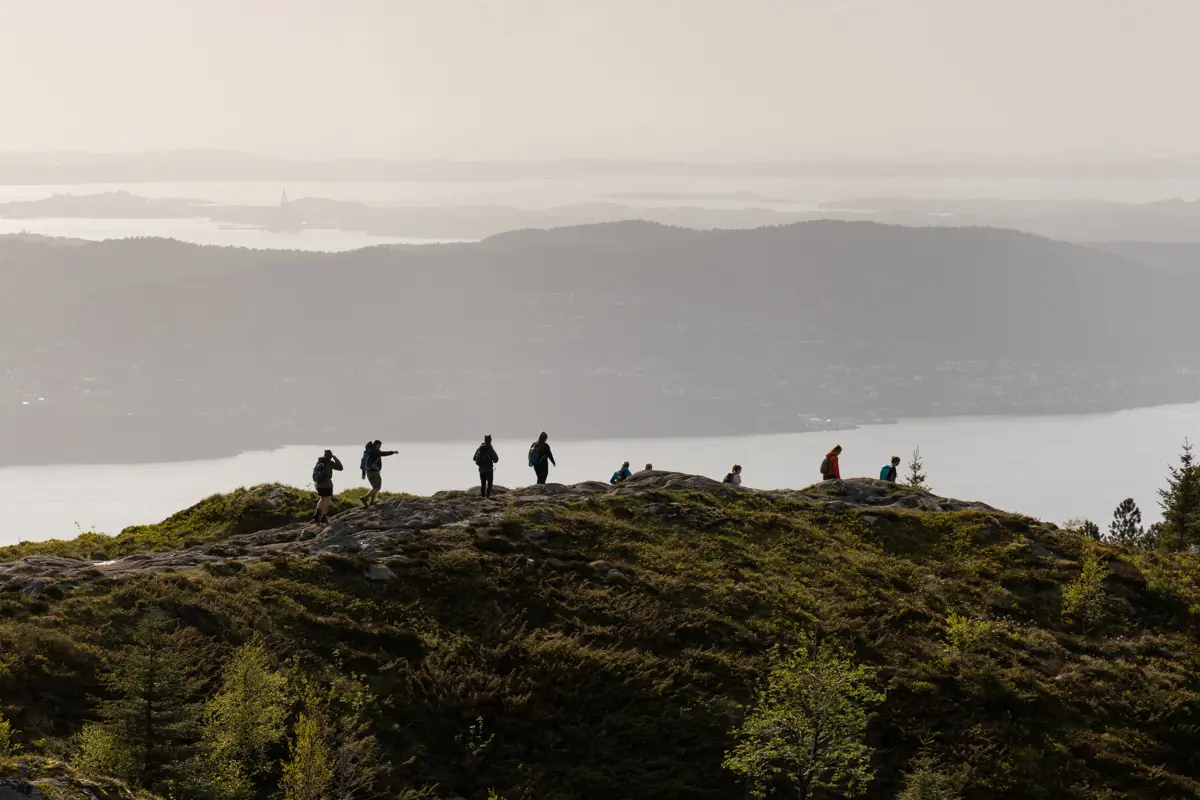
378 572
19 790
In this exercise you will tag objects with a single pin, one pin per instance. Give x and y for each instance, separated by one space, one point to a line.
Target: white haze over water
1048 467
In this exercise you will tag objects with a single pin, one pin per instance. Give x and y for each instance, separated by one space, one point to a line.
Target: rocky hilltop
592 641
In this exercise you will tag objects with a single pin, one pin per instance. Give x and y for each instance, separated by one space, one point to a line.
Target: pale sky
675 79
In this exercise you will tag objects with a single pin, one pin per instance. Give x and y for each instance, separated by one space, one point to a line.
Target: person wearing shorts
324 487
372 467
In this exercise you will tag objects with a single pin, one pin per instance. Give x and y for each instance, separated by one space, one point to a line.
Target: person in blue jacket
888 471
620 474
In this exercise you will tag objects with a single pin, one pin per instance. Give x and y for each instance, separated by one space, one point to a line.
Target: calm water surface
1049 467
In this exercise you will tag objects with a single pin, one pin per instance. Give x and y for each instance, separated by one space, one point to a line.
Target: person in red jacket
830 471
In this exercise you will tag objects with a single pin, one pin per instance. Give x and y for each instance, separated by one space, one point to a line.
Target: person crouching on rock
486 459
371 465
322 476
830 471
620 474
734 476
540 458
888 472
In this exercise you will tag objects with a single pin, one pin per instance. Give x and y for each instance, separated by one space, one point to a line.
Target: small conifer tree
150 720
1126 526
916 477
1180 503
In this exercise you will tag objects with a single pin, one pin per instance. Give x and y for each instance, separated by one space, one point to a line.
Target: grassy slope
604 689
212 519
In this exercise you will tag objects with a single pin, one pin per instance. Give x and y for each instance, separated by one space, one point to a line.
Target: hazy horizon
531 80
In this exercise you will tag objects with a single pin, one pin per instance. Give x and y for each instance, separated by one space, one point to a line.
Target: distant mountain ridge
155 349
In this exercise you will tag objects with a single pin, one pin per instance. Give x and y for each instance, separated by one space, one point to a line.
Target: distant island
1082 221
157 350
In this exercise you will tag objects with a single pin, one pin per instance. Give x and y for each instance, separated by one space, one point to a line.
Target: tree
1180 503
916 477
150 721
1084 598
309 769
808 724
1126 526
1083 526
6 743
243 721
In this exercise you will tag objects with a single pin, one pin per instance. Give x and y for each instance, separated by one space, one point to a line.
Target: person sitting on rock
372 464
888 472
830 471
620 474
486 459
541 457
734 476
649 468
323 481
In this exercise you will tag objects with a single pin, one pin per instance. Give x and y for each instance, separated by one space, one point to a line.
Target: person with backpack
734 476
888 471
322 476
620 474
371 466
486 459
541 457
830 471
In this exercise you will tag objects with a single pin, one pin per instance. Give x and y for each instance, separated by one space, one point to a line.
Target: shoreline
219 452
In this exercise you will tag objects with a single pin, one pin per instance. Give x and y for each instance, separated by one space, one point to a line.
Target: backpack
482 457
365 462
320 471
535 455
825 466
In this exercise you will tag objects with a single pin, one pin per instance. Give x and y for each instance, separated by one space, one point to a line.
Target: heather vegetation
669 638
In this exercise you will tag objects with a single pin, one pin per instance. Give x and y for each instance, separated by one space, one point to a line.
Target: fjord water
1049 467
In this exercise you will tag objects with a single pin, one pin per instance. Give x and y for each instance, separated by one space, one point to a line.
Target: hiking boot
364 501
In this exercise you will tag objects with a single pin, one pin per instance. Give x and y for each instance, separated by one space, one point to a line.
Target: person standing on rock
888 471
322 476
372 465
541 457
734 476
620 474
830 471
486 459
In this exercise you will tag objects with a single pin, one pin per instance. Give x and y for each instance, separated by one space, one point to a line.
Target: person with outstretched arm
486 459
541 457
372 466
322 476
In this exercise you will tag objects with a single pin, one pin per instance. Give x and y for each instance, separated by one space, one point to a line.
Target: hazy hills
1076 220
155 349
